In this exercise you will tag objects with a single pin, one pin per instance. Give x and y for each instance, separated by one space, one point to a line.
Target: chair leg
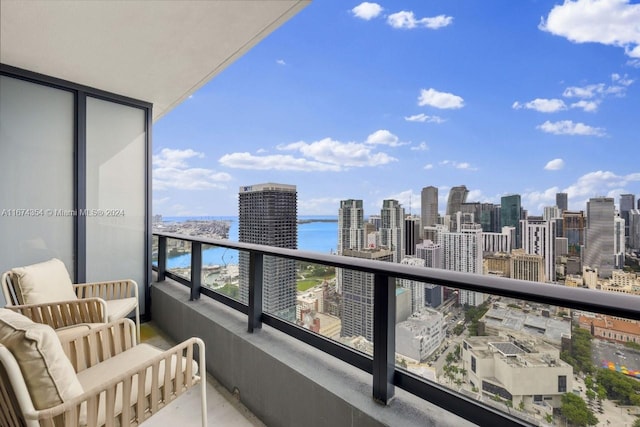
138 324
203 381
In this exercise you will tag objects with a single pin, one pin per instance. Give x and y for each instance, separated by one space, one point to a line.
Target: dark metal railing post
255 290
384 337
196 270
162 257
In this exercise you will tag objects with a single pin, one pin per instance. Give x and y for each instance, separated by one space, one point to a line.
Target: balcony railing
382 365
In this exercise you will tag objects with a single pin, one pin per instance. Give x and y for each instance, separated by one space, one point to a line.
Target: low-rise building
420 335
526 324
611 328
532 373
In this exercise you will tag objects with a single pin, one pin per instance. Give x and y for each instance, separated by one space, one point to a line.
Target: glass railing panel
538 362
179 257
154 250
221 270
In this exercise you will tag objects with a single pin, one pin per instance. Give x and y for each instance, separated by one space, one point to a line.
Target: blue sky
378 100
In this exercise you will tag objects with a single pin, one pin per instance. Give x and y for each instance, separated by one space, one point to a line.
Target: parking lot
616 353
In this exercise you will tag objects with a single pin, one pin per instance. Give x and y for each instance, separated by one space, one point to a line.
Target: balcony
284 372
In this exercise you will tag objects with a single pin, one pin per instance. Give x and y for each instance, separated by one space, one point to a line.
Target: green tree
619 387
636 423
580 355
576 411
591 395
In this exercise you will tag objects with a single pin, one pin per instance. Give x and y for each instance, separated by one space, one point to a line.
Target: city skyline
400 96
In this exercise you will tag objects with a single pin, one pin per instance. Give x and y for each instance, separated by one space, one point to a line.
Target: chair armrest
145 404
95 345
65 313
117 289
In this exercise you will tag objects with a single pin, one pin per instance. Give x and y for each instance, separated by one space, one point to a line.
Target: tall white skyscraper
463 252
351 226
416 288
392 228
538 238
599 236
268 216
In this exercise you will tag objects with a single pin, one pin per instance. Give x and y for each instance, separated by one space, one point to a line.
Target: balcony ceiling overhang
155 51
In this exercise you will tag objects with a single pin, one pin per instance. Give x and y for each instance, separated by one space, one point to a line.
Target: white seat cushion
44 282
47 372
119 308
106 370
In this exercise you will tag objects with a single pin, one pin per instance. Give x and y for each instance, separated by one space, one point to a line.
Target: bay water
313 236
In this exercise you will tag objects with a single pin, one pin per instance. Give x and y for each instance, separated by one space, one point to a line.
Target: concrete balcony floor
223 409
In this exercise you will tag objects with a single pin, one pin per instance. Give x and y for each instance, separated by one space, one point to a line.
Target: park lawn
306 284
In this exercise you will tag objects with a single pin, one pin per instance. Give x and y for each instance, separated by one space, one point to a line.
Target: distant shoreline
309 221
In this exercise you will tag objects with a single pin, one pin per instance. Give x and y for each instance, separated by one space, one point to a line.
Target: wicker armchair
99 378
48 282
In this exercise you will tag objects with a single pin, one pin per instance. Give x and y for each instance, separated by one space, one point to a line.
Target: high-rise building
498 242
619 242
463 252
573 227
524 266
457 196
357 295
411 235
634 229
551 212
351 225
599 235
510 215
392 228
562 201
267 215
627 202
539 238
433 257
428 208
416 288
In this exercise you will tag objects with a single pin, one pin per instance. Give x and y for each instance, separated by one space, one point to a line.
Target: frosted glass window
37 173
116 163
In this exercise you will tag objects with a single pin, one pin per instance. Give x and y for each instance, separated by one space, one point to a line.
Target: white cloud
588 106
171 170
443 100
319 206
542 105
407 20
554 165
188 179
609 22
428 166
280 62
340 154
424 118
367 10
595 90
421 147
384 137
324 155
408 199
623 80
635 63
174 158
458 165
274 162
568 127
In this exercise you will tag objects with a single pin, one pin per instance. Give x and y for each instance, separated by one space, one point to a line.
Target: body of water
312 236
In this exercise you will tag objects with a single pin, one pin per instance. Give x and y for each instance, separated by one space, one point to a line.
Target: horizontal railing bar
461 405
346 354
226 300
611 303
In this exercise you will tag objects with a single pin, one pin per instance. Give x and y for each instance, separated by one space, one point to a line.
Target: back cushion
44 282
47 372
